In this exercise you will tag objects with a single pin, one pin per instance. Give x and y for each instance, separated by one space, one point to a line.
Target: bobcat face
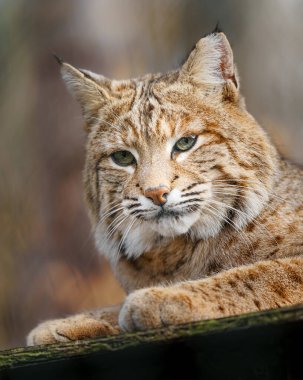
162 191
171 154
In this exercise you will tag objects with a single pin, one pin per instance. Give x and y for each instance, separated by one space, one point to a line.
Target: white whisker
125 235
119 222
263 227
233 225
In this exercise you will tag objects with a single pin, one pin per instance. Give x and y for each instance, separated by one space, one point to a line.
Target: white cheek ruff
140 236
140 239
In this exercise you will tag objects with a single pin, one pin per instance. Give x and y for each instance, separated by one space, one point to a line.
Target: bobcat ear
211 62
89 89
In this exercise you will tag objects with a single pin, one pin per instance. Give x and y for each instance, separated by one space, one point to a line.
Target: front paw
158 307
69 329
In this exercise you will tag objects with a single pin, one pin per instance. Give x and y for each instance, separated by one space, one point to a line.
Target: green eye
123 158
185 143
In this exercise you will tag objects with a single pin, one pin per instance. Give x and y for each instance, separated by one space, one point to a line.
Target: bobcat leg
81 326
263 285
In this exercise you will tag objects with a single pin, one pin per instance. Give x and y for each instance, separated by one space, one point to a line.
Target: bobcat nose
157 194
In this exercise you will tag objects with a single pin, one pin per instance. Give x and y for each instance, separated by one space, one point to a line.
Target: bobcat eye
185 143
123 158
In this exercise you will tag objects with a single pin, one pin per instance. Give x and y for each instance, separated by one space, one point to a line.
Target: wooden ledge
263 341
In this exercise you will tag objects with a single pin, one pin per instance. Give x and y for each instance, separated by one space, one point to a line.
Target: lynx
198 214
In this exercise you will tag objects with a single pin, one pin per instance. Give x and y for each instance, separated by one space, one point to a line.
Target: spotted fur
229 238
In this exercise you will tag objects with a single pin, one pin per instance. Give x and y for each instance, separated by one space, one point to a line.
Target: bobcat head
171 154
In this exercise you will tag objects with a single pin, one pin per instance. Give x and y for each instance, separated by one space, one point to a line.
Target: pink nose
157 194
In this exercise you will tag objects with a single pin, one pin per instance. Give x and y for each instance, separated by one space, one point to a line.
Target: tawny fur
236 245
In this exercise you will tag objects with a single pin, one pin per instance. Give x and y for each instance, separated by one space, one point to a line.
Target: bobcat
198 214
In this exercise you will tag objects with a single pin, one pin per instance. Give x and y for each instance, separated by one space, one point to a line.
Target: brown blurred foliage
48 263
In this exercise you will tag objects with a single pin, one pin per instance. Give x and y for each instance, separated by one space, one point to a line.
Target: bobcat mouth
171 222
166 213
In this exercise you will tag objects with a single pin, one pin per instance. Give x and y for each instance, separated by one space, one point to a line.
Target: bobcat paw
157 307
69 329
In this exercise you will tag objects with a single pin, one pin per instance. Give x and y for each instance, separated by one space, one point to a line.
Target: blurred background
48 264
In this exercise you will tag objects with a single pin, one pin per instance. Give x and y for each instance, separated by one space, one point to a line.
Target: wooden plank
260 343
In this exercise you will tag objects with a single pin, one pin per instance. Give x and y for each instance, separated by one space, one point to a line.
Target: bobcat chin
184 188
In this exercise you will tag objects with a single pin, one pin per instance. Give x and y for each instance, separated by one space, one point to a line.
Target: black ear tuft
217 28
58 59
